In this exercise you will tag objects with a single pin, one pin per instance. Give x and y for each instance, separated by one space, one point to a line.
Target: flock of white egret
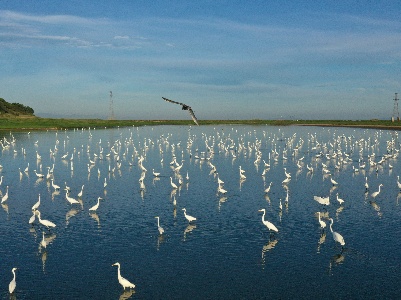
255 155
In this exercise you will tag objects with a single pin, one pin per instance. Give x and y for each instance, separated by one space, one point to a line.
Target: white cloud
121 37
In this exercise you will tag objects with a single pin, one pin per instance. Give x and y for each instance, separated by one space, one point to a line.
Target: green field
36 123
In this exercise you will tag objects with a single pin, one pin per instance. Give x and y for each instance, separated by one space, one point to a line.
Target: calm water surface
227 253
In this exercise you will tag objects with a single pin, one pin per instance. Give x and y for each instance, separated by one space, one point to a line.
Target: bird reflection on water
188 229
268 247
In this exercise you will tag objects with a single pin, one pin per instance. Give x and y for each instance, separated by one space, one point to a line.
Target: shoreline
40 124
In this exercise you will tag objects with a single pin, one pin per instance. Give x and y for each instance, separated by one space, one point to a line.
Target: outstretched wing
191 112
184 107
168 100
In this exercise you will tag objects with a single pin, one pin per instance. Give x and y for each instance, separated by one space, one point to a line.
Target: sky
226 59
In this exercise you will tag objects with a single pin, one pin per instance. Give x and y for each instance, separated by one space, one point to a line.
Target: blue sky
226 59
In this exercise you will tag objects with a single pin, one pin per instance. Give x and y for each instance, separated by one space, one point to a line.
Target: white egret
13 283
268 224
188 217
241 173
124 282
105 183
161 230
321 222
55 186
288 175
366 183
5 197
39 175
219 181
333 181
46 223
156 174
336 236
221 190
172 183
341 201
374 195
32 219
267 190
70 199
36 205
96 206
280 205
81 192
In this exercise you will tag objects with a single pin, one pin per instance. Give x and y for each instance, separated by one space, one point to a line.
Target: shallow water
227 252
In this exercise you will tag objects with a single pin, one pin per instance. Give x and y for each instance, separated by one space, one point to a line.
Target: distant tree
14 108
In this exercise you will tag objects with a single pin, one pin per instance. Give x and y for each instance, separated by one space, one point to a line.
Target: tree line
14 108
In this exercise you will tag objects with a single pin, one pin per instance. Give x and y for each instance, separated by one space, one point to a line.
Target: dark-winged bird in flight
184 107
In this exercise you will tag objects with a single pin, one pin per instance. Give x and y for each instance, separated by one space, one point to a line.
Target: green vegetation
14 109
15 116
36 123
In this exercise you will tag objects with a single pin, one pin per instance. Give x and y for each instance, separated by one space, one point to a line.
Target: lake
227 253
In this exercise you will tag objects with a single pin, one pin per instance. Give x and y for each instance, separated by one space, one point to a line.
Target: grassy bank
35 123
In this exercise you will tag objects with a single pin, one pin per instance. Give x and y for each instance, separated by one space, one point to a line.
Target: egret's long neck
118 271
331 229
158 224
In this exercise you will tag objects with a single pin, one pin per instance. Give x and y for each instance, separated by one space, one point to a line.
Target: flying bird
185 107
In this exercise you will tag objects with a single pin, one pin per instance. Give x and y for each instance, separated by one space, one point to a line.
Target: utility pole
111 109
396 113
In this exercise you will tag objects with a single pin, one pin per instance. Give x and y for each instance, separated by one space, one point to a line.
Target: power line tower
111 108
396 113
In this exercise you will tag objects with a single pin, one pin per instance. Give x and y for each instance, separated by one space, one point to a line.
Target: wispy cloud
121 37
12 16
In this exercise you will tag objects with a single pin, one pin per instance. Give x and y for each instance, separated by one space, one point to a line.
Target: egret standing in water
374 195
336 236
269 225
124 282
5 197
96 206
161 230
46 223
322 223
13 283
36 205
188 217
81 192
174 186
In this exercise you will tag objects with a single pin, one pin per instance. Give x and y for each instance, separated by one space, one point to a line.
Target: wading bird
161 230
124 282
188 217
322 223
96 206
269 225
36 205
46 223
5 197
13 283
336 236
